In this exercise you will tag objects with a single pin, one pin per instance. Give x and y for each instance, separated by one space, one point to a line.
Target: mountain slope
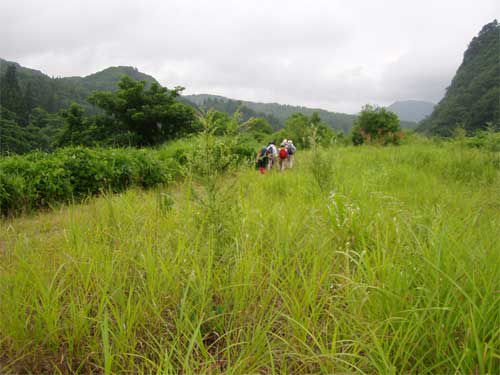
473 98
107 79
279 112
412 110
53 94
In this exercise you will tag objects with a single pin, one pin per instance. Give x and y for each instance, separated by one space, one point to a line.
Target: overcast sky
331 54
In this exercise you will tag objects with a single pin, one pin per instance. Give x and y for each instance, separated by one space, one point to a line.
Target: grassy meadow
359 260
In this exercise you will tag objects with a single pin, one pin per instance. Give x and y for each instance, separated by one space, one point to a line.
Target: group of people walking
270 156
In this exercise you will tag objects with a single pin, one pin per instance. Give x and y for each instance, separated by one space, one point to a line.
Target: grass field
365 260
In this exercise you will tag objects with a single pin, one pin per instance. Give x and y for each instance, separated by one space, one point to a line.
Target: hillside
280 112
277 113
412 110
473 98
108 78
54 93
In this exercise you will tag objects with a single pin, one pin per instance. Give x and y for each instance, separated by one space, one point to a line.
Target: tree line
136 114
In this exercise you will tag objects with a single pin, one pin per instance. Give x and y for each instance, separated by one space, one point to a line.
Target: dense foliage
11 97
473 98
70 174
307 131
488 140
137 114
275 113
229 106
34 109
376 125
40 179
54 93
41 133
152 115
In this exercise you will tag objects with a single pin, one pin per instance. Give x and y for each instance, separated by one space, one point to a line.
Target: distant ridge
412 110
108 78
53 94
279 112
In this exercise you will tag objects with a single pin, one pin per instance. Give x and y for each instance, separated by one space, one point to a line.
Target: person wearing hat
273 154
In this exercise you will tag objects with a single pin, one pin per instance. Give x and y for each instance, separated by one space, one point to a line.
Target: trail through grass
369 260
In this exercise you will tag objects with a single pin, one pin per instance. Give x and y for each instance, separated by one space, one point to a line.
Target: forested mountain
275 113
38 112
37 89
412 110
473 98
107 79
230 106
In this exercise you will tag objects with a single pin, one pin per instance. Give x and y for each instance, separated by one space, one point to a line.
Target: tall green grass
369 260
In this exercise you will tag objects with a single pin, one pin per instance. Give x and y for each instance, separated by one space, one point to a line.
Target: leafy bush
40 179
307 131
11 192
376 125
488 140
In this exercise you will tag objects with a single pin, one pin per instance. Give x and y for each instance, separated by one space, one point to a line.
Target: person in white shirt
291 149
273 157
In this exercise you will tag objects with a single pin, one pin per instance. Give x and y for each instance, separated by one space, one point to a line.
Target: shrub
40 179
376 125
488 140
11 192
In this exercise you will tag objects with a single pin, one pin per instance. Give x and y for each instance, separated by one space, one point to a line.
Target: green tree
75 126
257 125
11 97
255 129
153 115
47 127
376 125
298 128
28 100
13 137
307 131
220 121
315 119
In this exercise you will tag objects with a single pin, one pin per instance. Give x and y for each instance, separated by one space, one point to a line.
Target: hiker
291 149
282 157
272 154
262 159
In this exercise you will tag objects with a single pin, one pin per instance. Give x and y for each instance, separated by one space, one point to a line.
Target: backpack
270 152
263 153
283 153
291 149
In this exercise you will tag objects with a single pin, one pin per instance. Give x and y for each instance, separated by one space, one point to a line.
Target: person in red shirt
282 157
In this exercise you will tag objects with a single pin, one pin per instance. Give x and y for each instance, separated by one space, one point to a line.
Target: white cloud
333 54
